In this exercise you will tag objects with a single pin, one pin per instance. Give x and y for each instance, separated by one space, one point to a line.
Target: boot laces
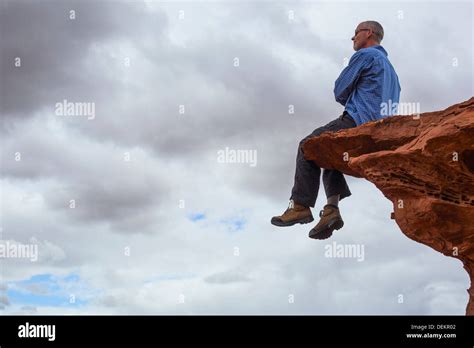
291 205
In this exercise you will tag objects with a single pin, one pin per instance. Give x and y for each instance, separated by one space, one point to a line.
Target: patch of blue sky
47 290
234 224
196 216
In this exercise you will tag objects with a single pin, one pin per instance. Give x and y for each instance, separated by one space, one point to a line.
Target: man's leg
334 200
307 176
334 183
303 194
336 189
335 186
306 182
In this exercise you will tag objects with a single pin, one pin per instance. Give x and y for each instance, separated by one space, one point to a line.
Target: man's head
368 33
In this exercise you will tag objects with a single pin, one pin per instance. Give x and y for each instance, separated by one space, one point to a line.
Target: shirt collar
381 49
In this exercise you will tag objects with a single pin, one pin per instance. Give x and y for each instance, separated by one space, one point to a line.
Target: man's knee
312 135
303 141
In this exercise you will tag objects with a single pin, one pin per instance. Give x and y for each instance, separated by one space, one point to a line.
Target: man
363 87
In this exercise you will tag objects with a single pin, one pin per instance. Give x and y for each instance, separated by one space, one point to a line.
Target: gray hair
376 28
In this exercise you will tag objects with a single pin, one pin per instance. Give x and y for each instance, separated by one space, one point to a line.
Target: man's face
361 36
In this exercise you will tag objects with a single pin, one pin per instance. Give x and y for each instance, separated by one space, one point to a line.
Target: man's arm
347 80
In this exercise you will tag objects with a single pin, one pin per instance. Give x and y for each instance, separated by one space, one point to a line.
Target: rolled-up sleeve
347 80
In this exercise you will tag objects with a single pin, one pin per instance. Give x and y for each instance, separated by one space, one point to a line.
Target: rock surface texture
425 165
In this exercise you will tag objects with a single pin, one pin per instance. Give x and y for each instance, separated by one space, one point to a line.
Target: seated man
367 83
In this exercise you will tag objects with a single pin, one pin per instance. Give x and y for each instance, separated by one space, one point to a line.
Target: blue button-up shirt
366 84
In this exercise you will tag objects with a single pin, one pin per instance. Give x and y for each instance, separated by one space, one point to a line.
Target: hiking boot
330 220
295 213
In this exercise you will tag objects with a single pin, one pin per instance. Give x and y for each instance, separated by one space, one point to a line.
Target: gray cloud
4 300
231 276
54 49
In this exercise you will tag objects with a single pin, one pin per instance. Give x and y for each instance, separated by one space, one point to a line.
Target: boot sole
327 232
291 223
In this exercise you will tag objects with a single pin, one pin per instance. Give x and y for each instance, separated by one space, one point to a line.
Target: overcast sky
158 225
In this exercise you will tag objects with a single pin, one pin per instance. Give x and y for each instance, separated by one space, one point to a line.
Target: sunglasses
357 31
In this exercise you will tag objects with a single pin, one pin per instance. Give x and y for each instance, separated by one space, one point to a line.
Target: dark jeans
306 187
